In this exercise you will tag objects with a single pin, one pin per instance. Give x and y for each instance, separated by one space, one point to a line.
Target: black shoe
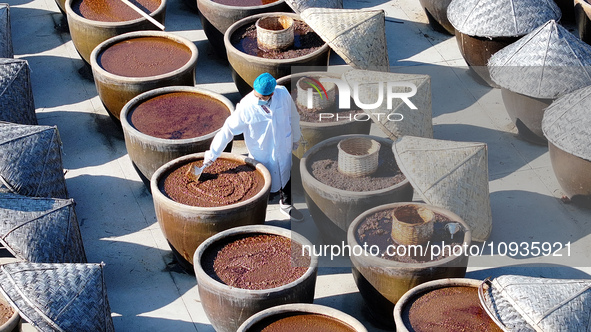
291 212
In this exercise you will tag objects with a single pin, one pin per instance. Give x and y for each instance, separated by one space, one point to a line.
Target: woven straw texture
358 156
500 18
58 297
547 63
416 122
270 37
16 93
6 50
538 304
567 123
31 163
451 175
40 230
358 36
299 6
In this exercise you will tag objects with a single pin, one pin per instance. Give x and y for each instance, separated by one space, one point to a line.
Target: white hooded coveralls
269 137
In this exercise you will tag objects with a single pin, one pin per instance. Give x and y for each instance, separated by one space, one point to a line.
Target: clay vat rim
250 19
426 287
117 24
14 318
184 208
190 65
304 308
139 99
238 8
315 182
384 263
202 276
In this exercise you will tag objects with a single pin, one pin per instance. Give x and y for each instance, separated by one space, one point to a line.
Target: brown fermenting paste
144 56
305 42
223 183
324 167
6 312
259 261
376 229
112 10
179 115
244 3
448 309
300 322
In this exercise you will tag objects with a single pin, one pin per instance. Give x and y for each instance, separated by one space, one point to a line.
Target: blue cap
265 84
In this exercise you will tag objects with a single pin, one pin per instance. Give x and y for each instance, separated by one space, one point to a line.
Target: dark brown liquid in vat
112 10
448 309
305 42
259 261
144 56
301 322
224 182
244 3
179 115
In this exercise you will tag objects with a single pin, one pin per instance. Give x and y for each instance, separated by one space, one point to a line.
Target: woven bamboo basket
16 94
520 303
451 175
358 156
58 297
412 225
41 230
357 35
6 50
299 6
306 94
415 122
31 163
500 18
547 63
275 32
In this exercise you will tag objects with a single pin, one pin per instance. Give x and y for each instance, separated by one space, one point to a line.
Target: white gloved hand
295 145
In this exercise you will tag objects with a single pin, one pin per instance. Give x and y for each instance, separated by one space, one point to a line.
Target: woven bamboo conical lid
58 297
16 94
6 50
520 303
415 122
567 123
299 6
547 63
500 18
452 175
358 36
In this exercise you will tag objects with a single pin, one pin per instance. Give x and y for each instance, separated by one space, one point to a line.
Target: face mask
263 102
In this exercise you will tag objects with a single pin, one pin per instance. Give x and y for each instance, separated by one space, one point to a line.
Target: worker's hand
295 145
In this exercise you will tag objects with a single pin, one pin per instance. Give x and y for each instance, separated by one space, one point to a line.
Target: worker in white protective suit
268 118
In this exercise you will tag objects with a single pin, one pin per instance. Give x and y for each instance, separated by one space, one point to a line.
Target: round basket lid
547 63
567 121
500 18
519 303
451 175
357 35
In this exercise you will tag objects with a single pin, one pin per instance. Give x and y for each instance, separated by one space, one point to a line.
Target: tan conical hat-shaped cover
452 175
358 36
520 303
299 6
58 297
500 18
40 230
414 122
547 63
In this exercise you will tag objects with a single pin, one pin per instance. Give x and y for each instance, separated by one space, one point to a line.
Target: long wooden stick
144 14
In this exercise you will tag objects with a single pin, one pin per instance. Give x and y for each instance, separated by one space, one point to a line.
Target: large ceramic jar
246 68
187 226
228 307
218 15
133 70
90 29
382 280
334 209
166 123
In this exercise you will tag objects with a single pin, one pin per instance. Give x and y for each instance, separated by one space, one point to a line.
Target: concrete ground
147 290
